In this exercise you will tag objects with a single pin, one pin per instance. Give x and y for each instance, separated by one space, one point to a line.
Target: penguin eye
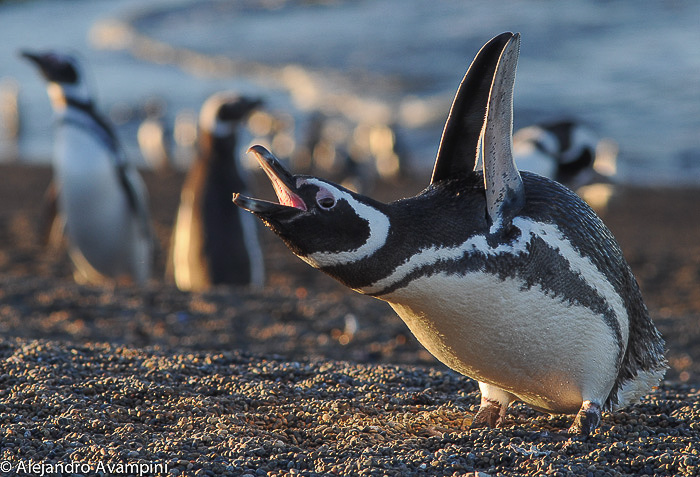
325 199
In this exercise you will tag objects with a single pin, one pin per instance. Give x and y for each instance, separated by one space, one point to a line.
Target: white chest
79 153
86 174
92 200
543 349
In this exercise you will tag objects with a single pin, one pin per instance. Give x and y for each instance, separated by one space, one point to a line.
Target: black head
55 67
238 108
329 227
323 223
222 112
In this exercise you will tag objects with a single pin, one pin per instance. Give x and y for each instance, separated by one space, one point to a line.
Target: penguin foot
587 419
490 414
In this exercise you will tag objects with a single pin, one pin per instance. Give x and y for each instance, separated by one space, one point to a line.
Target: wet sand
304 376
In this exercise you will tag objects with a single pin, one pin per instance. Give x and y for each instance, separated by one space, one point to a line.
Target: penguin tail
644 363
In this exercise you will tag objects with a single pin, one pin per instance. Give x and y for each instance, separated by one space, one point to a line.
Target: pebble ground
302 377
231 414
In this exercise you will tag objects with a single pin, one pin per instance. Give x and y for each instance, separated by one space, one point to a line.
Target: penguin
10 121
101 197
563 150
213 241
506 277
154 136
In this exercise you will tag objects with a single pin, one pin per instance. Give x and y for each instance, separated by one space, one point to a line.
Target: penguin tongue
286 196
282 180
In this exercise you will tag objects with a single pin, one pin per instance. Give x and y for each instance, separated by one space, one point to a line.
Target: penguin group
507 277
101 203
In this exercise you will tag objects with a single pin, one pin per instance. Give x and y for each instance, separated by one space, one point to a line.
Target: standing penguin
101 197
510 279
213 241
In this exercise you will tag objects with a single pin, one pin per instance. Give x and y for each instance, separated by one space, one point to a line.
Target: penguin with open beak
506 277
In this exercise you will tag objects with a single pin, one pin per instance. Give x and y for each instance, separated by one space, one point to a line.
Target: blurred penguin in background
572 154
154 136
100 196
10 121
213 241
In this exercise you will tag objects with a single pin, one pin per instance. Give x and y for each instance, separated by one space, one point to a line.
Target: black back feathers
460 138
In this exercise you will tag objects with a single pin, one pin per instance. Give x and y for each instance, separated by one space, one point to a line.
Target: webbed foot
490 414
587 420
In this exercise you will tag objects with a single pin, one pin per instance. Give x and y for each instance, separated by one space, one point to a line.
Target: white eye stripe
378 230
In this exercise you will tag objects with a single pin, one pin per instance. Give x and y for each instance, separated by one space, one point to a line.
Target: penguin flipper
505 194
459 144
135 192
129 188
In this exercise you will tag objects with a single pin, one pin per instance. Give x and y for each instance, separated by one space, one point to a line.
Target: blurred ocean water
631 70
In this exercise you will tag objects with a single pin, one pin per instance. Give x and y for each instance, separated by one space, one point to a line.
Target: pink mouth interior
287 197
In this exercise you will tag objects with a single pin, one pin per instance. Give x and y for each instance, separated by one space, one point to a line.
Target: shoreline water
568 68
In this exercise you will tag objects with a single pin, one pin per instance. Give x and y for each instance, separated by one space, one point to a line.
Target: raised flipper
505 194
460 139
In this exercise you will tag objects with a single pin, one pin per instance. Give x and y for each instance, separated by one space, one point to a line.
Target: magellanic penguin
213 241
510 279
561 150
101 196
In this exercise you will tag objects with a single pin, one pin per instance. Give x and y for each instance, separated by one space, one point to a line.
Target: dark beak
283 182
39 60
33 57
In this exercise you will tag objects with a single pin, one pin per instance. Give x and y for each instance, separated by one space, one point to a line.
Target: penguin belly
100 223
548 352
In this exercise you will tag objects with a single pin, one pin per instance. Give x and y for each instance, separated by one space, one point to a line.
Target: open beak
283 182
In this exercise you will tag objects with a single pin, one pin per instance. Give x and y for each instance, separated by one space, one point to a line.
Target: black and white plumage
561 150
213 241
510 279
101 196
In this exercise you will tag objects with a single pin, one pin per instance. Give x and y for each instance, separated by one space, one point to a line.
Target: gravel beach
302 377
